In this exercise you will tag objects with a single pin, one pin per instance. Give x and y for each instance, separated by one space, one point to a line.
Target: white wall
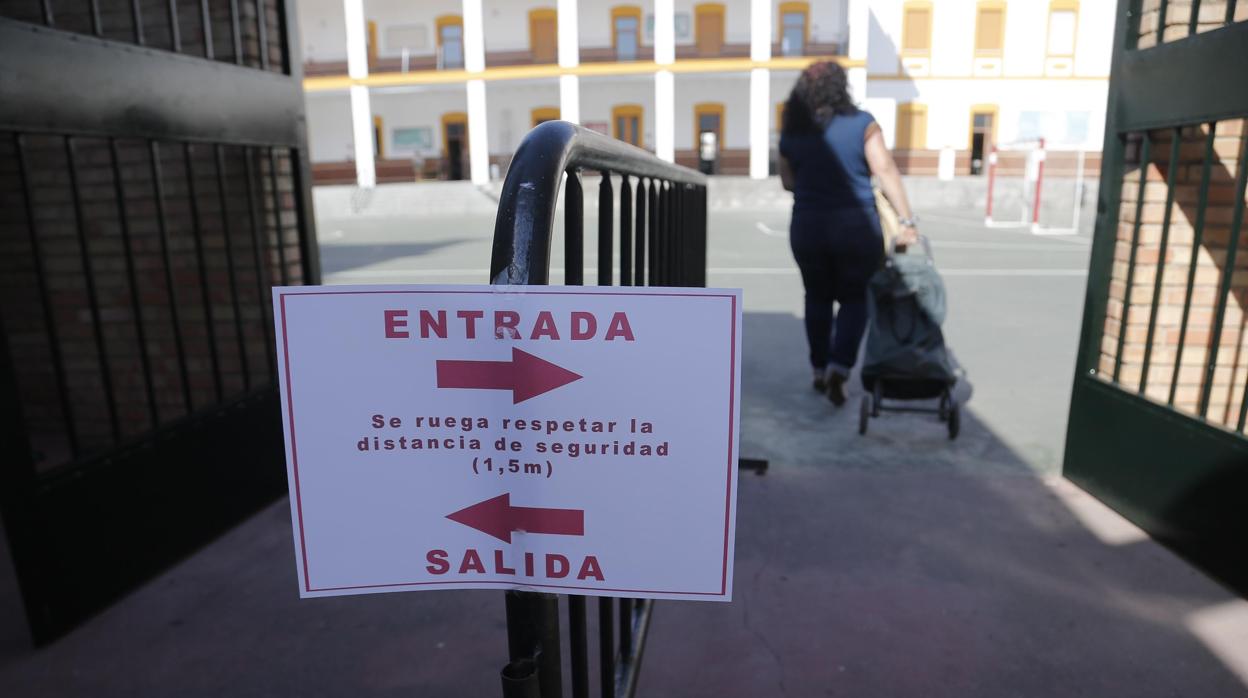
600 94
329 126
416 108
730 89
511 104
322 30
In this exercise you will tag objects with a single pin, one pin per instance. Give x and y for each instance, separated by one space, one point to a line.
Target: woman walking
829 149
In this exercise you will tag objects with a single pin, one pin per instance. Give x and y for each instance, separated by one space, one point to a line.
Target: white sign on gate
563 439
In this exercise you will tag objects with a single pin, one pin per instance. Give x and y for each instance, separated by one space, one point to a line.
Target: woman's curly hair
821 93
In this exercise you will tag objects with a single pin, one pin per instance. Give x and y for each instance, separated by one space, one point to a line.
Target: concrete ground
893 564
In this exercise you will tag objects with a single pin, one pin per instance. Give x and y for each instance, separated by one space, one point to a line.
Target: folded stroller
906 358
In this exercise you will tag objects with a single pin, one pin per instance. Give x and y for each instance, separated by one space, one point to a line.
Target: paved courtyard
893 564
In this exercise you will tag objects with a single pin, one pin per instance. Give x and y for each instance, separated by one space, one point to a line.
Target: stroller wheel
864 414
955 422
877 396
943 412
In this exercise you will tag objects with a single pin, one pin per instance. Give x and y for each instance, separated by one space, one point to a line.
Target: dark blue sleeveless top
830 171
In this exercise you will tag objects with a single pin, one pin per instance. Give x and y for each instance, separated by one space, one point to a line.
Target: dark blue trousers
837 251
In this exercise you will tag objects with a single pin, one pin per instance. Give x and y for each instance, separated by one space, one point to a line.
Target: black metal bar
239 334
533 633
573 232
1145 156
262 29
93 300
305 218
136 306
206 18
197 236
1176 140
236 33
284 272
639 251
45 301
1230 12
1228 271
1161 21
97 27
578 642
520 679
626 232
522 229
626 628
48 19
1192 21
260 253
605 231
606 646
158 189
654 232
175 32
1198 233
630 667
136 16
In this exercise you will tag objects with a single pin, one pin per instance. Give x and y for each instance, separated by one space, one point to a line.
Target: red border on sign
294 451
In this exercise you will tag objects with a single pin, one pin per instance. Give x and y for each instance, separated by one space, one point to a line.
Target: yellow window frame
713 108
619 11
906 137
536 15
917 6
992 109
541 114
628 110
1062 6
980 9
790 8
453 117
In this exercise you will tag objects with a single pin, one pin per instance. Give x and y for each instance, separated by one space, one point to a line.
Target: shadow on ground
893 564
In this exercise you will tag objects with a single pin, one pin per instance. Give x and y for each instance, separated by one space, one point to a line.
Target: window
413 38
626 32
990 28
451 41
911 126
916 28
794 23
626 123
709 28
1063 20
544 114
708 118
544 35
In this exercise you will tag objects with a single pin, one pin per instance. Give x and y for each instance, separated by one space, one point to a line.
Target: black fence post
533 634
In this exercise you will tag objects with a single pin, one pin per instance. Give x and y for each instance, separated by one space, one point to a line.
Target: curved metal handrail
526 212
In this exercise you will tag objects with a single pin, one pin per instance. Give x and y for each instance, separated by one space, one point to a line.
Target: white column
362 135
569 57
760 89
361 111
664 81
859 19
474 62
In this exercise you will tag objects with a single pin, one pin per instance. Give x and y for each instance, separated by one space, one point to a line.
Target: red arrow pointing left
498 518
525 375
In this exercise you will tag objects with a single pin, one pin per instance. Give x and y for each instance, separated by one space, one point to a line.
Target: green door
1157 419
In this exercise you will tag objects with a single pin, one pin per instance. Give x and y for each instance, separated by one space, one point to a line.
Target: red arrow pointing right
498 518
526 376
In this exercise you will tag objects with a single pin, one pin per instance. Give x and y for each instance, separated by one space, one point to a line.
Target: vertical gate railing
154 185
1160 400
661 242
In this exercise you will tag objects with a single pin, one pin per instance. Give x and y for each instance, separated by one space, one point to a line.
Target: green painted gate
1157 419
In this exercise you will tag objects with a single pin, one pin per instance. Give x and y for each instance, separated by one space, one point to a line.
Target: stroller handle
923 240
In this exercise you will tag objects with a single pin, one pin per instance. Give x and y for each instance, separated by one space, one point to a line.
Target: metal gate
661 242
1157 420
153 186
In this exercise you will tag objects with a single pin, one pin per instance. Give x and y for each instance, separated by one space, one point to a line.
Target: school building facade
446 89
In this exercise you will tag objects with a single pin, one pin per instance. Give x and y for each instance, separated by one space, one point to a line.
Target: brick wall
1179 258
1177 24
213 276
